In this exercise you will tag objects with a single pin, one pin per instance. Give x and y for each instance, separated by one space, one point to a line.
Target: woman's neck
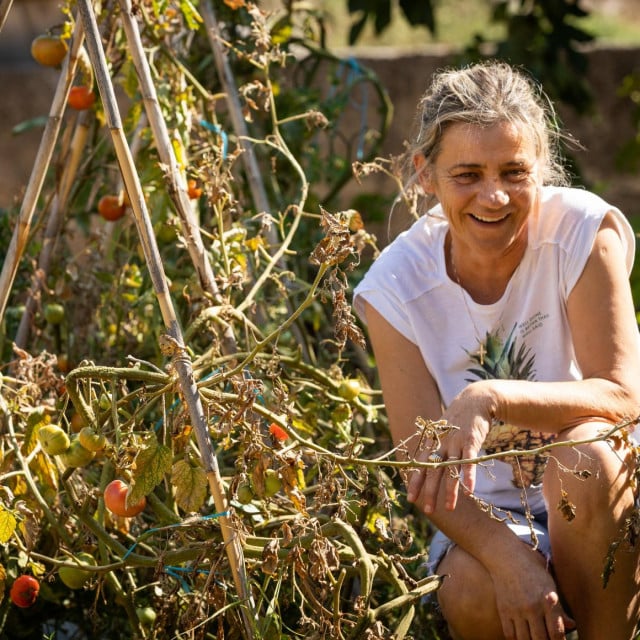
484 278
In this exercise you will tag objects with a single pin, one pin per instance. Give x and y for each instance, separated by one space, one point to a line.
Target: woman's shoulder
568 212
412 263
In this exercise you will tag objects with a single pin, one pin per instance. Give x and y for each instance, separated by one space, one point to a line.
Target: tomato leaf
151 464
7 525
191 485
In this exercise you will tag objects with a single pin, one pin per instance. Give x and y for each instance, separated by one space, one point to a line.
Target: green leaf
419 12
190 484
151 464
7 525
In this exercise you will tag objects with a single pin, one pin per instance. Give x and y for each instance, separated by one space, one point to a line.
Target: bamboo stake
36 180
177 183
172 342
5 6
54 224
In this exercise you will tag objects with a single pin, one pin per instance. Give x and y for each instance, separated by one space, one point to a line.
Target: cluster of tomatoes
50 51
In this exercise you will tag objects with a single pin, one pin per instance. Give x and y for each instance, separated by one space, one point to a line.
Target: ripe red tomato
48 50
193 189
278 432
115 499
111 207
81 97
24 591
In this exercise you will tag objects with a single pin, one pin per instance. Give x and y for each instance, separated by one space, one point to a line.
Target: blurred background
600 107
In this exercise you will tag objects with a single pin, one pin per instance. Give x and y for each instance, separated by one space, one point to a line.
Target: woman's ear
423 172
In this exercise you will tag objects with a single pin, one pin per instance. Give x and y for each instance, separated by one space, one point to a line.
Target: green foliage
379 13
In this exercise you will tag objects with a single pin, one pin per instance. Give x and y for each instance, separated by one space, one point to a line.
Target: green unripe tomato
54 313
74 577
272 483
91 439
349 389
105 401
146 616
245 492
53 439
76 455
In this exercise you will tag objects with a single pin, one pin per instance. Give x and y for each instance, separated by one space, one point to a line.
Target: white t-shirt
525 334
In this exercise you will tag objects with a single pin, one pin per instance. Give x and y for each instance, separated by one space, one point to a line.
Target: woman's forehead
504 138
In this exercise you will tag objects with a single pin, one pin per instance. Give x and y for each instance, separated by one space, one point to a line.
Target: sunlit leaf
7 525
151 464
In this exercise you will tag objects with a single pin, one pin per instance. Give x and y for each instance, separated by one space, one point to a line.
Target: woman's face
487 180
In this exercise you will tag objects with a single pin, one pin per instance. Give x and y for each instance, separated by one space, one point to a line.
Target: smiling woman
482 318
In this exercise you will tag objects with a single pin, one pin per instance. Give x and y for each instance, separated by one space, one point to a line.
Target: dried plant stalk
173 343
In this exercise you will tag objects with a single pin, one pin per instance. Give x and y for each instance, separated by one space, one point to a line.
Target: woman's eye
466 176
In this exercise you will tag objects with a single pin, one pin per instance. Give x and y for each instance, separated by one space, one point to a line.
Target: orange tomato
193 189
81 97
48 50
111 207
115 499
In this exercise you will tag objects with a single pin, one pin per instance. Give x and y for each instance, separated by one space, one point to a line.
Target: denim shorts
534 533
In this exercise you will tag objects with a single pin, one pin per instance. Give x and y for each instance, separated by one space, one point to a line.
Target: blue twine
171 526
216 128
354 73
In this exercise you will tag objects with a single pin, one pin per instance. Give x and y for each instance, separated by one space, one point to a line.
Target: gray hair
485 94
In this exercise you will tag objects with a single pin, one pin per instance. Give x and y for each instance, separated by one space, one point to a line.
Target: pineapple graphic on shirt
506 360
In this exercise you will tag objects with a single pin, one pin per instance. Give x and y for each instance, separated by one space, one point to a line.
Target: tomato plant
81 97
115 499
24 591
111 207
48 50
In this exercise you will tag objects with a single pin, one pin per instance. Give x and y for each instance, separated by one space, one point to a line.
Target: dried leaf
323 558
151 464
566 507
270 557
191 485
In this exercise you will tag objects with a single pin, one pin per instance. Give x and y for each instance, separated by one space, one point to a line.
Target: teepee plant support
54 223
172 342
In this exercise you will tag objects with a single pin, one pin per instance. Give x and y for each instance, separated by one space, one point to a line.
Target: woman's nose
494 194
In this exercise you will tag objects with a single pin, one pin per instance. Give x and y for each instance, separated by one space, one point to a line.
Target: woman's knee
466 597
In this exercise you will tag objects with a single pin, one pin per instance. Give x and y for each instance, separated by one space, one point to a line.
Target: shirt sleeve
579 233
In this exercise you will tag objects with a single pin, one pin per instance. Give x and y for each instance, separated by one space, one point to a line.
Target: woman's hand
470 414
527 600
